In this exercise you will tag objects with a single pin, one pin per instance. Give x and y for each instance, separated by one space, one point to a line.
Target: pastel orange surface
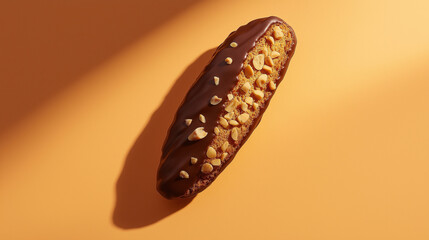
88 90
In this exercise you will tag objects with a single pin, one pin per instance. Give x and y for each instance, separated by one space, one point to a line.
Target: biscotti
224 105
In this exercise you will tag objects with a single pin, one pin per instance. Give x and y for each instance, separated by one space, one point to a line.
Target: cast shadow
47 45
138 204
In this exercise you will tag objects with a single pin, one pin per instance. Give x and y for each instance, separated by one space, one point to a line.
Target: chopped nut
272 85
248 71
216 130
255 105
223 156
275 54
265 51
278 32
228 60
243 118
197 134
211 152
258 61
188 122
232 105
244 106
230 96
216 80
261 80
269 61
215 100
215 162
223 122
249 100
229 116
225 146
267 69
233 44
184 174
233 123
234 134
246 87
271 40
206 168
202 118
194 160
258 94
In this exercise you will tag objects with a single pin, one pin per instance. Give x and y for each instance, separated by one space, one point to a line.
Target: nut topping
267 69
202 118
258 61
206 168
223 122
244 107
197 134
275 54
223 156
243 118
194 160
269 61
246 87
225 146
216 130
234 134
215 162
261 80
258 94
228 60
271 40
232 105
248 71
216 80
184 174
272 85
215 100
278 33
249 100
233 44
255 106
211 152
229 116
230 96
188 122
233 123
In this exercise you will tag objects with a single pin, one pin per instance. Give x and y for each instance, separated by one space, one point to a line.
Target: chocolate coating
177 150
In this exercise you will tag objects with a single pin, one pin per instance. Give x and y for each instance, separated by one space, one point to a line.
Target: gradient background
89 88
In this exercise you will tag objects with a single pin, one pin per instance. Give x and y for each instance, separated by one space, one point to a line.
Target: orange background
89 88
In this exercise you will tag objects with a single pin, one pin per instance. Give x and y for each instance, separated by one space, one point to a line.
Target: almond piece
229 116
233 44
188 122
223 122
267 69
197 134
223 156
215 162
248 71
260 82
258 61
278 33
249 100
206 168
270 40
244 107
215 100
258 94
272 85
232 105
225 146
234 134
184 174
194 160
246 87
230 96
216 130
275 54
228 60
233 123
269 61
216 80
202 118
243 118
211 152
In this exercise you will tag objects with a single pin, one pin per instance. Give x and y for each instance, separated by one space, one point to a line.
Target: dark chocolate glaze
177 150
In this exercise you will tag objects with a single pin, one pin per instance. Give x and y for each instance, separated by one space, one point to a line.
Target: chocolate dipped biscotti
224 106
